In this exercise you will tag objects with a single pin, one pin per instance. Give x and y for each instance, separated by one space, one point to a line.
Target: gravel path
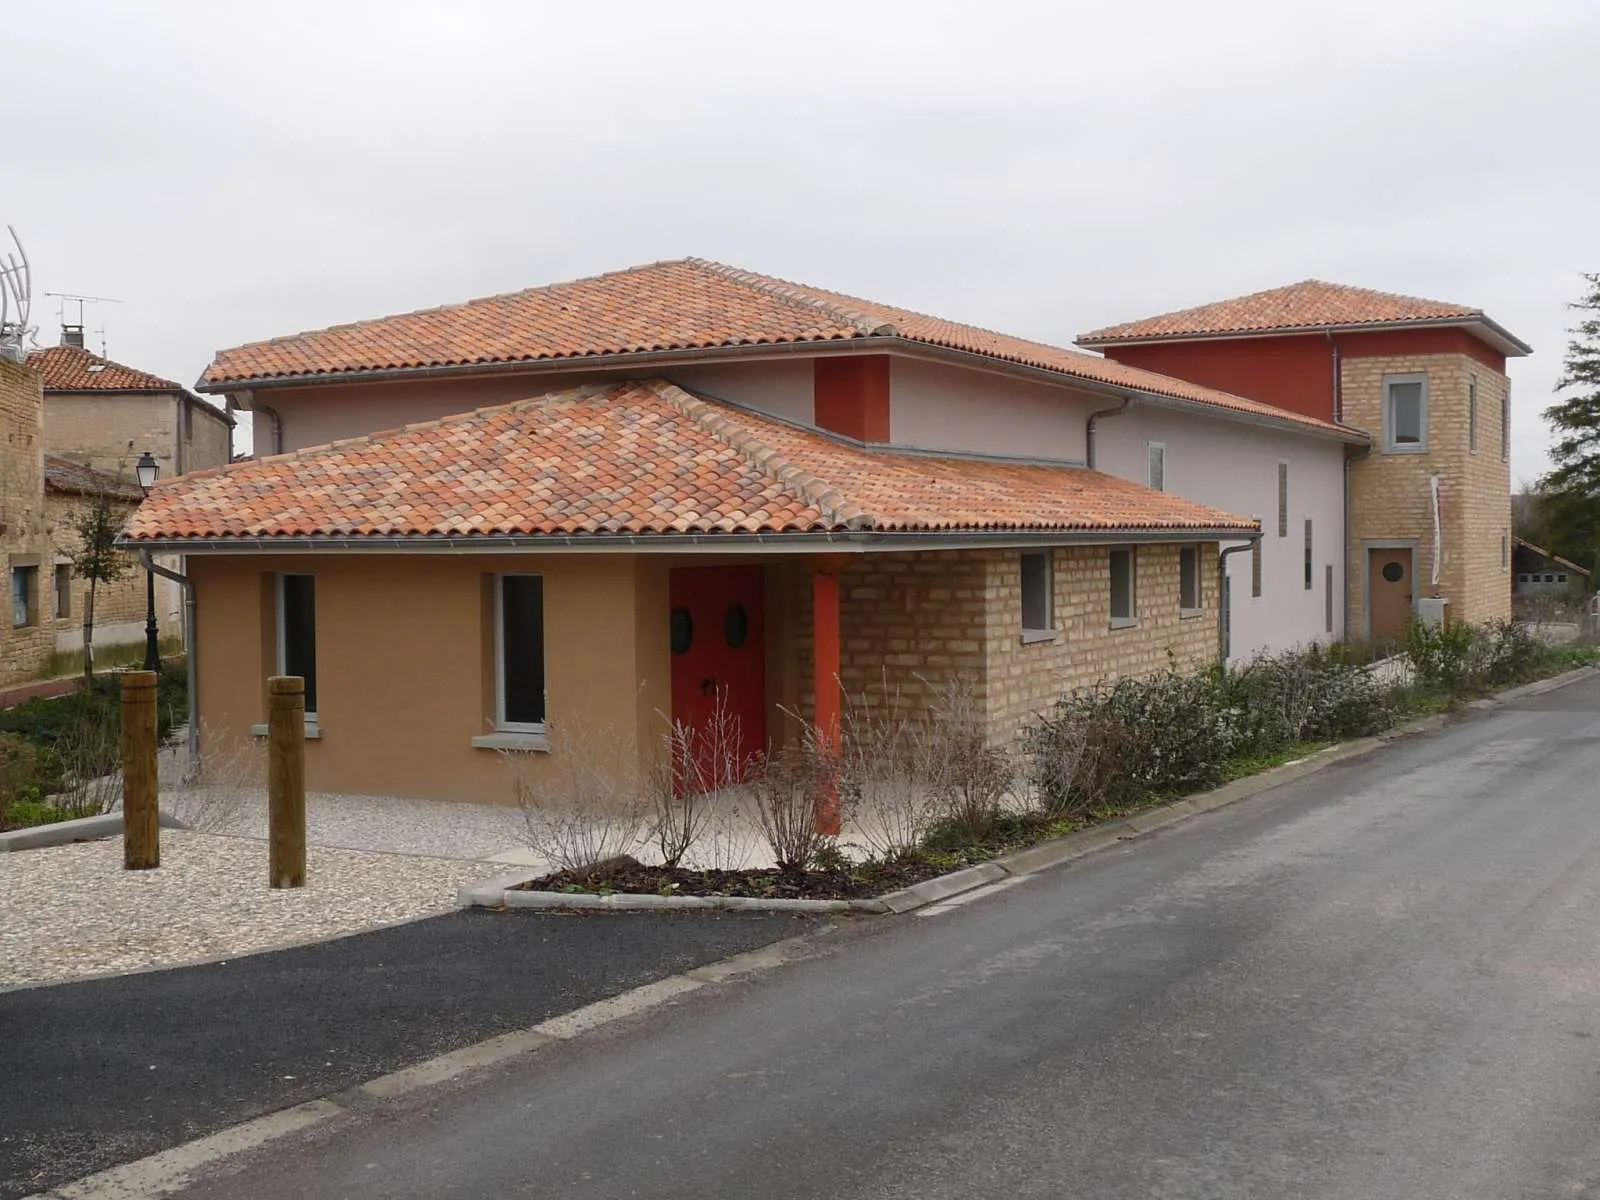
72 911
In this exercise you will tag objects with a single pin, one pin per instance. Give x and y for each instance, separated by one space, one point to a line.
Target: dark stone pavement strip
109 1070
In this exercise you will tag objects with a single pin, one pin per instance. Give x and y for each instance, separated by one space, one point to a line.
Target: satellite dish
16 301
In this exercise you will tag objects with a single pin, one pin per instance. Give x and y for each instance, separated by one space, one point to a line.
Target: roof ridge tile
799 294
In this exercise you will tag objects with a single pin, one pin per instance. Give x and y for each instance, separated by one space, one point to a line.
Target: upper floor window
1472 415
1038 619
1405 414
1158 466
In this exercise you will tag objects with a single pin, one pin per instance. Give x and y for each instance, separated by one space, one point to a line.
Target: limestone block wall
24 543
1390 494
912 623
119 608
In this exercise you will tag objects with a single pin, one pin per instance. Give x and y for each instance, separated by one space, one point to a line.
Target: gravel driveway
72 911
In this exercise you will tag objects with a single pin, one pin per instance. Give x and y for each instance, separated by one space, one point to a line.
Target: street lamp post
146 469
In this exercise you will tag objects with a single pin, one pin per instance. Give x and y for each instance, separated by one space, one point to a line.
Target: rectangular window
1158 466
1327 601
1037 601
1124 587
297 632
1505 425
1283 499
1505 551
519 653
1472 415
1189 580
1308 554
1561 577
24 596
63 591
1255 567
1523 578
1405 414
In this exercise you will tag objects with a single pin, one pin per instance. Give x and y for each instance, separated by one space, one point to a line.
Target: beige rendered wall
935 406
404 662
1389 493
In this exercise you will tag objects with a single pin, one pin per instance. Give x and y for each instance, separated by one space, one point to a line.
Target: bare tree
96 559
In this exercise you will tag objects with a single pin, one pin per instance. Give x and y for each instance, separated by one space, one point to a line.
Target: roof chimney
72 335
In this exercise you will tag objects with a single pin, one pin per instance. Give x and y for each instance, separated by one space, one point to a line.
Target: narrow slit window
519 653
1327 598
1255 569
1124 598
1189 579
297 632
1037 615
1505 425
1283 499
1472 415
1158 466
1309 547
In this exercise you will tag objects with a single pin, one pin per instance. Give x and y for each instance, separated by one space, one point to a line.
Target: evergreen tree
1572 491
96 559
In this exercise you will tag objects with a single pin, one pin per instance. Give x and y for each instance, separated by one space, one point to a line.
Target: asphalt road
1381 981
102 1072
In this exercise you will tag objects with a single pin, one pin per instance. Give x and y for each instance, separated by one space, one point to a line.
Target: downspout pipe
1089 456
192 651
1225 616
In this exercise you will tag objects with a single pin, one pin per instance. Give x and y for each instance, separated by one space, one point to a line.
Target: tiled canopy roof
686 304
638 458
74 369
1310 304
75 479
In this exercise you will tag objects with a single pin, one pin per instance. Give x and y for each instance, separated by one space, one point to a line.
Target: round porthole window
682 631
736 625
1393 572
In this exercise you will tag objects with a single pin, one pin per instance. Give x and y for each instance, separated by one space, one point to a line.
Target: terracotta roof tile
74 479
74 369
686 304
1310 304
638 458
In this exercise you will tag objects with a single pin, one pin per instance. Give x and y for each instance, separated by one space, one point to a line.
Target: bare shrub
692 784
792 791
971 778
230 783
583 802
89 754
892 769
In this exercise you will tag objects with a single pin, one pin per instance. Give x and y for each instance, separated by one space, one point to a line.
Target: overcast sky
232 171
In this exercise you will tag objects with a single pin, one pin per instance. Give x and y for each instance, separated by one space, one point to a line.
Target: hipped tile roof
685 304
74 479
74 369
638 458
1310 304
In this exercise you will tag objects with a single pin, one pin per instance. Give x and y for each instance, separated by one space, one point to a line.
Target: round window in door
682 635
736 625
1393 572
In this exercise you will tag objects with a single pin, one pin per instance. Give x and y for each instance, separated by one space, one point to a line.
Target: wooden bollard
286 780
141 819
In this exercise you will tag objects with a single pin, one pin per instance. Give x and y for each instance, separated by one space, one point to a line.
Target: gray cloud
234 171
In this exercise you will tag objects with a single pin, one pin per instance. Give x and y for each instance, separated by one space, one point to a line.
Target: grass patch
64 663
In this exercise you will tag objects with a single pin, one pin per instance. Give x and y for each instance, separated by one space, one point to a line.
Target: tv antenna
72 331
16 300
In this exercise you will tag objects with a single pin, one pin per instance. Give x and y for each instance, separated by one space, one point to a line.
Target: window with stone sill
1189 581
1124 587
1405 414
1038 596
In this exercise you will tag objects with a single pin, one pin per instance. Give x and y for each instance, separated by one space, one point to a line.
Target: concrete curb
502 891
82 829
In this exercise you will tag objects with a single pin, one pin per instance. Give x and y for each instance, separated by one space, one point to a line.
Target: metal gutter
843 541
1511 344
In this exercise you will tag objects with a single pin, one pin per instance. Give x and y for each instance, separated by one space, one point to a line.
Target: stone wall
913 623
25 649
119 608
1389 493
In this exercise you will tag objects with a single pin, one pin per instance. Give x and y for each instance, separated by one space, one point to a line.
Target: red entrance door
719 666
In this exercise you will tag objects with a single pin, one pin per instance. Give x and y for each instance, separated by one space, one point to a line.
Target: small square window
1189 580
1561 577
1405 414
1124 587
1158 466
1038 619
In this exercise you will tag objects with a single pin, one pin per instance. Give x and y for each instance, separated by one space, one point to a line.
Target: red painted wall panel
851 395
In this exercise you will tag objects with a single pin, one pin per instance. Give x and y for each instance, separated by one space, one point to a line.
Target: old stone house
104 414
38 495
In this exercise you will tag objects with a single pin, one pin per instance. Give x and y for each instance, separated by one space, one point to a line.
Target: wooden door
1390 590
719 661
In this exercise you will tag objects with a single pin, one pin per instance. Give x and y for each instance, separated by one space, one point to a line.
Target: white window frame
1390 382
1132 618
1048 633
1151 451
1198 608
501 725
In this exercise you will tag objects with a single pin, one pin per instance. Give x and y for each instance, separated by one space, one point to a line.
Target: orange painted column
825 678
